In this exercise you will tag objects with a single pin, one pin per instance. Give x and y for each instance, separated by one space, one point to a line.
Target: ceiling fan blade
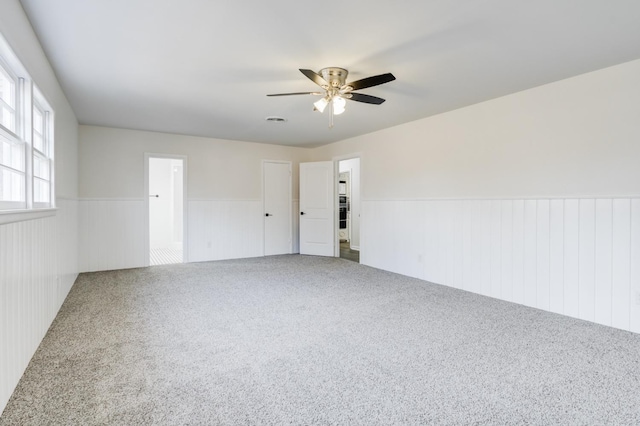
296 93
367 99
315 77
371 81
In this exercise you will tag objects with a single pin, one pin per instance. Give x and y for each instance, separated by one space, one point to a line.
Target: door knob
267 214
302 213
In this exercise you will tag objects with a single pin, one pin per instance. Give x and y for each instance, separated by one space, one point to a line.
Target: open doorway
349 209
166 192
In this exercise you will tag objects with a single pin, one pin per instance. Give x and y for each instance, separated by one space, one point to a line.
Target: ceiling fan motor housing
336 90
336 77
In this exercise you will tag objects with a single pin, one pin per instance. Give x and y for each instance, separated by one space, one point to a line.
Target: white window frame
7 71
39 102
27 96
15 136
13 205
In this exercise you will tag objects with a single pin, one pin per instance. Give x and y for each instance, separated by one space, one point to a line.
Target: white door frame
264 240
336 174
185 251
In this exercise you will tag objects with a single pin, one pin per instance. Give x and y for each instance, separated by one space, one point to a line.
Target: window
26 139
12 174
42 151
8 92
12 147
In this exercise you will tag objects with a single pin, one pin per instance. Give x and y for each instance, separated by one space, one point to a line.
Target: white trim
555 197
142 199
226 199
107 199
185 216
22 215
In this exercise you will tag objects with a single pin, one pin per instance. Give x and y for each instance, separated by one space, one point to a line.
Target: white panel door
277 207
160 203
317 208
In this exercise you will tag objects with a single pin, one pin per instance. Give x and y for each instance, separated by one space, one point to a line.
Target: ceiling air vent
276 119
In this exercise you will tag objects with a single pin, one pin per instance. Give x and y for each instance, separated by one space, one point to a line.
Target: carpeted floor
310 340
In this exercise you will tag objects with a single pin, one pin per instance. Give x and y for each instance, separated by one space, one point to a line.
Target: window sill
11 216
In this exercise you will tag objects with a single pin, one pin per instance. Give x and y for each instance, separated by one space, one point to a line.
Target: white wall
224 185
38 258
576 137
495 189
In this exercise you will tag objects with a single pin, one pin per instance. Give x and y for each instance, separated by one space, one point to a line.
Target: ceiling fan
337 91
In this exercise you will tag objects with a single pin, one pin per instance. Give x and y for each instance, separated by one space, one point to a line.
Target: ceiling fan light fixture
337 90
321 104
338 105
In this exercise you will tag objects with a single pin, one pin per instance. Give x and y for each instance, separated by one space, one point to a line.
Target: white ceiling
203 67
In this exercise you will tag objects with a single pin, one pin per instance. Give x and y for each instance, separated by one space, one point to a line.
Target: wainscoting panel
621 263
556 256
577 257
634 294
603 262
111 234
38 266
586 272
225 229
507 250
112 231
571 258
67 239
517 284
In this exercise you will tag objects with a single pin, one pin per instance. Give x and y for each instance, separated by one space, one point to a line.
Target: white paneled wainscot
230 229
112 231
111 234
224 229
38 266
577 257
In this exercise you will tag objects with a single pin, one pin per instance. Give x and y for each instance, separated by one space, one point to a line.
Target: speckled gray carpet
307 340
